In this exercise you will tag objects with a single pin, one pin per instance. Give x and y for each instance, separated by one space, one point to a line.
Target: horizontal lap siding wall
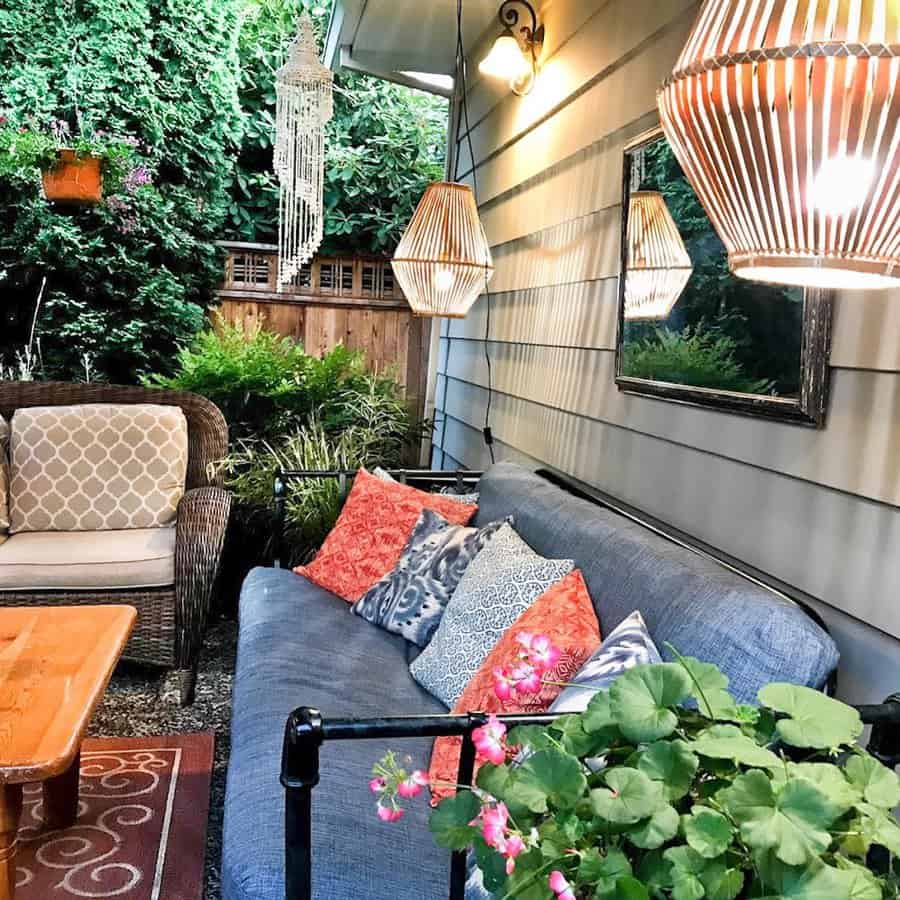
816 509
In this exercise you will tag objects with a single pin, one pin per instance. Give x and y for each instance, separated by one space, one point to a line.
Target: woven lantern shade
659 267
443 261
784 116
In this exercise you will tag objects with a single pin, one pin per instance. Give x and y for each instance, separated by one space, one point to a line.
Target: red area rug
141 828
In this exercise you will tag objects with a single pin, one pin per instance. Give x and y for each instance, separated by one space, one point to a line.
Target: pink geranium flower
527 679
377 785
490 741
412 786
504 686
389 813
514 845
560 886
542 654
494 824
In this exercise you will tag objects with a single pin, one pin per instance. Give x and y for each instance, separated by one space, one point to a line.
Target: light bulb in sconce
842 184
444 279
506 60
515 53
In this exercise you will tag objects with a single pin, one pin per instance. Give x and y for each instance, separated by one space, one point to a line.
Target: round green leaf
793 821
603 871
830 780
629 797
707 831
652 833
672 763
729 742
598 716
878 827
642 699
449 823
721 882
878 784
548 776
814 720
628 888
709 687
812 882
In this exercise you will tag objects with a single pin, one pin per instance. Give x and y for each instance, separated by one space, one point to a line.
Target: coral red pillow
566 615
371 532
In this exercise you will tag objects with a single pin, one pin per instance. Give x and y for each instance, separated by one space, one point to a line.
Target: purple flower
138 177
59 129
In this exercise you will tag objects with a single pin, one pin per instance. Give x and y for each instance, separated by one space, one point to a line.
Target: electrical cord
462 73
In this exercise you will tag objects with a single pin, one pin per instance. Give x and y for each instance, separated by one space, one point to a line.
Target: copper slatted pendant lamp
785 116
443 261
659 267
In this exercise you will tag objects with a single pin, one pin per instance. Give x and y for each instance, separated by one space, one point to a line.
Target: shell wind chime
304 89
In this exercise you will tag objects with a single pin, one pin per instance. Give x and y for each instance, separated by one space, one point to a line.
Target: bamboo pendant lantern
785 116
659 267
443 261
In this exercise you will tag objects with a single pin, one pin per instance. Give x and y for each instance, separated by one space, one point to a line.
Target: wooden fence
350 300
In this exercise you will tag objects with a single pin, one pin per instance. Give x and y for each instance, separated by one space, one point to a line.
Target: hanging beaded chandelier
785 116
303 87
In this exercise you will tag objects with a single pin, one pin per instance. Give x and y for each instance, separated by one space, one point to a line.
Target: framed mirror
689 330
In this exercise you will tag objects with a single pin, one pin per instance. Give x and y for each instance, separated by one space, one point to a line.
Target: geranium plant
28 148
666 787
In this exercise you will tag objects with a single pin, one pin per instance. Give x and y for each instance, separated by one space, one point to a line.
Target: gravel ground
138 703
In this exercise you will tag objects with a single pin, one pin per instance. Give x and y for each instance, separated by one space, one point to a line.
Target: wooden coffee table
55 663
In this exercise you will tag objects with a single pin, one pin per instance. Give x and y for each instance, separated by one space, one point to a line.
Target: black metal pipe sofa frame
306 730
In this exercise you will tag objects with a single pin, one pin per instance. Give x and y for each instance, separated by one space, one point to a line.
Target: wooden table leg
61 797
10 811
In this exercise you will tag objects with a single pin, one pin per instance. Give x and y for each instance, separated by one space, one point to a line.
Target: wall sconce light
514 56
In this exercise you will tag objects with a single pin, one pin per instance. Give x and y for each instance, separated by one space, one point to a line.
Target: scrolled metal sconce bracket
530 37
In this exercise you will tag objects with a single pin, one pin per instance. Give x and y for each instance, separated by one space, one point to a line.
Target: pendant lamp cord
461 80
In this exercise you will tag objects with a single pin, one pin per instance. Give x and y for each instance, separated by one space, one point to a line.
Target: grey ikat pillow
412 598
500 584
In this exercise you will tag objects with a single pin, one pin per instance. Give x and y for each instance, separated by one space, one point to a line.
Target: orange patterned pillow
565 614
371 532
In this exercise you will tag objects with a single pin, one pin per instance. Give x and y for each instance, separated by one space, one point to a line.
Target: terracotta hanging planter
74 180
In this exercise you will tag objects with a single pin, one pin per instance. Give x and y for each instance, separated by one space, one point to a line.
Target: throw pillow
500 584
565 614
411 599
626 646
371 532
4 478
96 467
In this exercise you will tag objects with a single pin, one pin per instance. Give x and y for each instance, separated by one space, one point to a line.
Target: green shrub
697 357
125 286
267 385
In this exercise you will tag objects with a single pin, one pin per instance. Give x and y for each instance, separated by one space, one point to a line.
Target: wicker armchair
171 620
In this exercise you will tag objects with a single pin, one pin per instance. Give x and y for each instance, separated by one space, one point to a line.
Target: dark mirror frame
809 409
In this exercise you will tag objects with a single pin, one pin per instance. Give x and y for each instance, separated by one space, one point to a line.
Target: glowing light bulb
506 60
444 280
842 184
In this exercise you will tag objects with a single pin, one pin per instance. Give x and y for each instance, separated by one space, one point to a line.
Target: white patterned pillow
96 467
628 645
504 579
470 499
4 479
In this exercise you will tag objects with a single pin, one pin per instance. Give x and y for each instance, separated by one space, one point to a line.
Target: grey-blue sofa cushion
700 607
300 645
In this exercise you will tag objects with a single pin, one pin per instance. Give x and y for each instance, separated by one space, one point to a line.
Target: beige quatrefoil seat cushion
4 479
97 467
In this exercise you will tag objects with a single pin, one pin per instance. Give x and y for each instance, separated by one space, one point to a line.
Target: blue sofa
300 645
